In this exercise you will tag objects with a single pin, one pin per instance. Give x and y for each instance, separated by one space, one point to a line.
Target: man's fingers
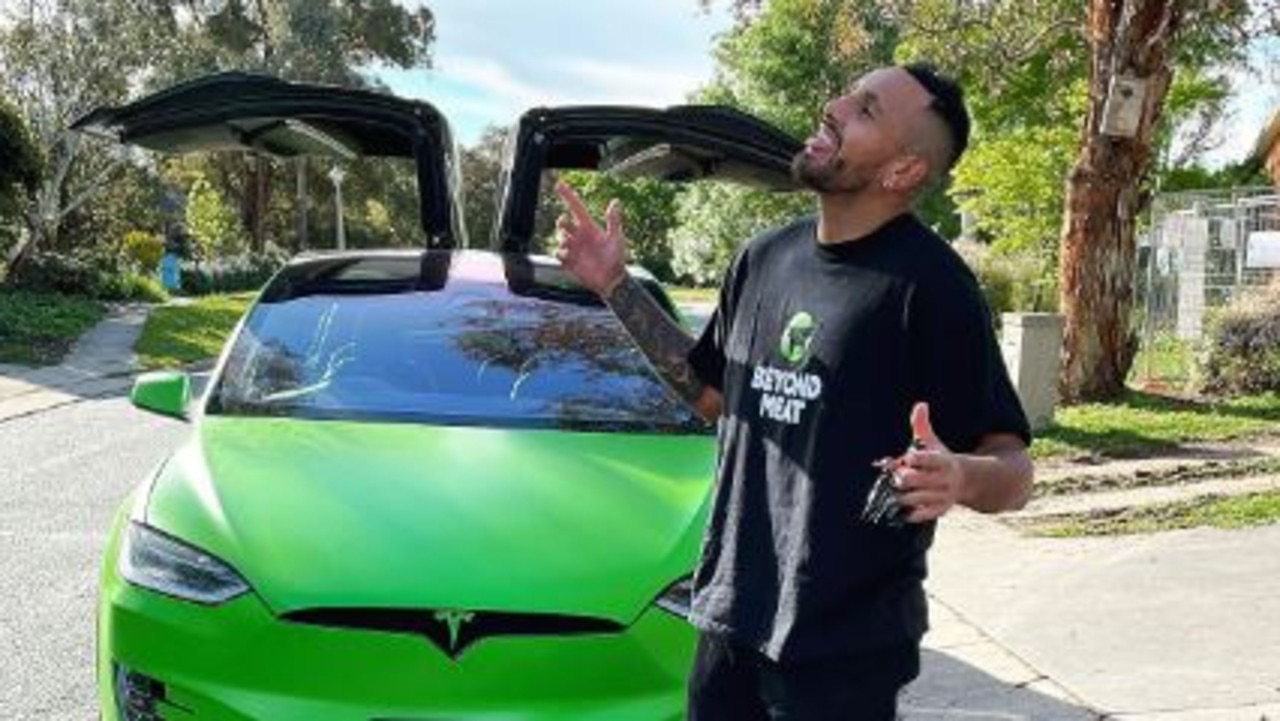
924 461
922 498
912 478
613 218
574 203
566 226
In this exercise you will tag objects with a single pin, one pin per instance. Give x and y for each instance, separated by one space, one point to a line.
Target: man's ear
906 173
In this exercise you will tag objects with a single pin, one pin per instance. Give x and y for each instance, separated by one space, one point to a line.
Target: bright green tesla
422 485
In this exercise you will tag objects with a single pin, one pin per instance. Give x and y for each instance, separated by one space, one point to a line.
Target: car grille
453 631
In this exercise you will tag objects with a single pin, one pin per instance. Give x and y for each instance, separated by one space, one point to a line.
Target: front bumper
239 662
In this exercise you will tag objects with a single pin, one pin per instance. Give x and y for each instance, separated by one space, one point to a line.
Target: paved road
63 472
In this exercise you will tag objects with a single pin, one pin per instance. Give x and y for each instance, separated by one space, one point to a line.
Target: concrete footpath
100 363
1175 626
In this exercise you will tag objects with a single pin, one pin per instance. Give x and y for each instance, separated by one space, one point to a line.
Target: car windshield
472 358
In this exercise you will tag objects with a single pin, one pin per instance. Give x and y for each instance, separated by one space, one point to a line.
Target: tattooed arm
595 257
664 343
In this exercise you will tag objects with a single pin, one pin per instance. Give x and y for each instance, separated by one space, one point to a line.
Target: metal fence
1201 250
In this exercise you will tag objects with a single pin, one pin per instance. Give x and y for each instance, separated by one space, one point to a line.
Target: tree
1023 67
212 223
58 60
715 219
482 188
481 178
1194 176
19 159
19 169
1042 67
61 58
1138 40
326 41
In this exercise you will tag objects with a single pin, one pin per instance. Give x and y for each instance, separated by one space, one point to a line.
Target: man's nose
833 107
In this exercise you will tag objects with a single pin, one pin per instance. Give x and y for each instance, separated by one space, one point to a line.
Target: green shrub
1243 350
213 223
230 275
38 327
713 220
93 274
142 249
136 287
1012 282
80 273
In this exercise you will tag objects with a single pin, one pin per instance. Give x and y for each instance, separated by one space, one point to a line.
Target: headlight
152 560
678 598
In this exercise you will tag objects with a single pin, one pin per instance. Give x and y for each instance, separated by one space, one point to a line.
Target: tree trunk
303 205
262 193
254 200
1098 255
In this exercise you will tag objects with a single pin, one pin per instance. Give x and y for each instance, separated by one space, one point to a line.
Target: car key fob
884 506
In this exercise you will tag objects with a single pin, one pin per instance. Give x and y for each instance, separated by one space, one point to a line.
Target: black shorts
732 683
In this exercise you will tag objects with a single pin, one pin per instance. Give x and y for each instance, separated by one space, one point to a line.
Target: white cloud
612 82
1253 101
491 78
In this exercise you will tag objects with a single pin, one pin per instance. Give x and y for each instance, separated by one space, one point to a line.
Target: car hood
327 514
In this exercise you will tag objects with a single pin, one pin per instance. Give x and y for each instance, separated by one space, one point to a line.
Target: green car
422 484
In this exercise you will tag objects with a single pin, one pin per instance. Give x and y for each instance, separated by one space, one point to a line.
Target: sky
494 59
1255 99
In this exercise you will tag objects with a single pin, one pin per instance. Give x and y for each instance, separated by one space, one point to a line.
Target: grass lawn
693 295
178 334
38 328
1164 362
1175 475
1144 424
1254 509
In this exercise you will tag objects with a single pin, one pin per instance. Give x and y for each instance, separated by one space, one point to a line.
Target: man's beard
827 177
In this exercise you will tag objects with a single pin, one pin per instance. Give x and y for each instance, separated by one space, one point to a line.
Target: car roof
448 272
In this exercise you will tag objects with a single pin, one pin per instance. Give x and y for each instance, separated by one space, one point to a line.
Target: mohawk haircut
947 103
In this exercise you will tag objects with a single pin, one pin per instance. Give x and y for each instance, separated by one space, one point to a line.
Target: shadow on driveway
952 690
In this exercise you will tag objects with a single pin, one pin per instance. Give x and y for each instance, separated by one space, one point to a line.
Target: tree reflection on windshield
580 357
480 356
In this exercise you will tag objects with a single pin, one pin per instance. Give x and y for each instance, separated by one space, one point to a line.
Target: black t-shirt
820 352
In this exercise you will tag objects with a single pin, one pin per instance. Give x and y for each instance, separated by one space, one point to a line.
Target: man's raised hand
596 257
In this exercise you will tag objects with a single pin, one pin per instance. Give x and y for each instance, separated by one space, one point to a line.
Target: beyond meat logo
797 337
784 394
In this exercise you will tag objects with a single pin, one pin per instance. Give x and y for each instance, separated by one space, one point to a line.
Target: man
838 340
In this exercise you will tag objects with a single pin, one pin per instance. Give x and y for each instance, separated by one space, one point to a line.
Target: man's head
894 132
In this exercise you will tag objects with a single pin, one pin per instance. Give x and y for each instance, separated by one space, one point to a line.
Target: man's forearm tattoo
664 343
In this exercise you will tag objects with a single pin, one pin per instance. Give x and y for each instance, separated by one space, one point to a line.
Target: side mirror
163 392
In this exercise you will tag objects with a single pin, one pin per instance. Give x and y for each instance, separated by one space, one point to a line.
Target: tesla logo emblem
453 620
